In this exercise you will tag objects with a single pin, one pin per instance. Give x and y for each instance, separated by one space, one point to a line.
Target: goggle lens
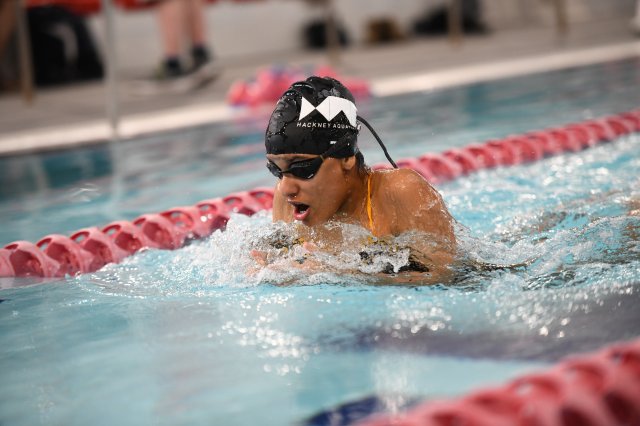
305 169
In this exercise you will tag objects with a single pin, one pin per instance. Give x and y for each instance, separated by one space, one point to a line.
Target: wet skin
332 194
401 201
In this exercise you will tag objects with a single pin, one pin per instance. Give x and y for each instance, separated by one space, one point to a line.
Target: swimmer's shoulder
402 183
400 174
409 202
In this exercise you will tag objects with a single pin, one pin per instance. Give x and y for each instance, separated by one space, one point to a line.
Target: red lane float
532 146
189 220
6 268
601 129
618 125
443 168
71 257
102 247
599 389
28 260
264 196
89 249
215 213
549 145
586 136
567 139
511 153
128 236
434 168
421 168
633 118
529 150
243 203
487 157
159 231
466 161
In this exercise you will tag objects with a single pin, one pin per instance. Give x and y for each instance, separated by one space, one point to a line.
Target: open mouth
300 210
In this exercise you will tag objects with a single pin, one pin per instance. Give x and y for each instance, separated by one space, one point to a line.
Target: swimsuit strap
369 209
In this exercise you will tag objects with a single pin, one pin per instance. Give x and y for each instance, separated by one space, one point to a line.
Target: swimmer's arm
419 207
409 278
304 262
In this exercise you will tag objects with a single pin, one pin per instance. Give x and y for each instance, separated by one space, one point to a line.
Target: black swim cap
311 117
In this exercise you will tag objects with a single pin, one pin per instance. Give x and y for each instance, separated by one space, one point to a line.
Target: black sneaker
203 67
171 68
200 56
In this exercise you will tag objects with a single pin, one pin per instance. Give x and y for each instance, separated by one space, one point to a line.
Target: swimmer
311 148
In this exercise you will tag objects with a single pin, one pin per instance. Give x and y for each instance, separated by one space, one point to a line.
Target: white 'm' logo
330 107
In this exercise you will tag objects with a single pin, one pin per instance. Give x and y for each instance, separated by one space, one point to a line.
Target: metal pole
111 78
24 49
562 21
455 22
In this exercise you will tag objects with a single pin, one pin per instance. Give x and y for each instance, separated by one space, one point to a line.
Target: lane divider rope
597 389
89 249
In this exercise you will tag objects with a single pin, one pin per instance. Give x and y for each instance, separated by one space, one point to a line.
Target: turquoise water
199 335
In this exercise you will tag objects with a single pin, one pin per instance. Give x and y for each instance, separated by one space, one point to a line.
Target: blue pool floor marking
353 411
584 332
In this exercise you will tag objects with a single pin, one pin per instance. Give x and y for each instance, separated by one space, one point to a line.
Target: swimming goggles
304 169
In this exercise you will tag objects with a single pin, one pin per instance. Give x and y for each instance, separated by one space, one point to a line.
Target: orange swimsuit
369 209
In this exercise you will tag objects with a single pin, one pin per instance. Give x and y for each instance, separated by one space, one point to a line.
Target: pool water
201 335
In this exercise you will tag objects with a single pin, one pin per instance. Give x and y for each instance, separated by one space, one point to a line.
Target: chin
311 221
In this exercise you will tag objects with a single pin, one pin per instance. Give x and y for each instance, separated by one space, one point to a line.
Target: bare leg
171 19
197 33
7 21
195 22
182 21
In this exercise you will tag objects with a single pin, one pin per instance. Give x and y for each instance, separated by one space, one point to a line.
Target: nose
289 186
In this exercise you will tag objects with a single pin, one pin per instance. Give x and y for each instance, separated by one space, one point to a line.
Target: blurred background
96 63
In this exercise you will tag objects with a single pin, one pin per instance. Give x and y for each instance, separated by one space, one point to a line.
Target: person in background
182 22
7 22
7 25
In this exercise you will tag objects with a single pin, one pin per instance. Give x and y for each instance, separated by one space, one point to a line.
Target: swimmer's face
315 200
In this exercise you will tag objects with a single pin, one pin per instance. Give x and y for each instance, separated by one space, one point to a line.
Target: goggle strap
337 147
375 135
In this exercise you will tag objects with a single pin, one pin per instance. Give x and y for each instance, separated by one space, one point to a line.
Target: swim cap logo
329 108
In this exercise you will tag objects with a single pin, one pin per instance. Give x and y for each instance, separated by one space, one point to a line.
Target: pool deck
73 115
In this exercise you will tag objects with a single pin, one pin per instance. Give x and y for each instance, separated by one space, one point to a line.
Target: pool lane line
98 131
